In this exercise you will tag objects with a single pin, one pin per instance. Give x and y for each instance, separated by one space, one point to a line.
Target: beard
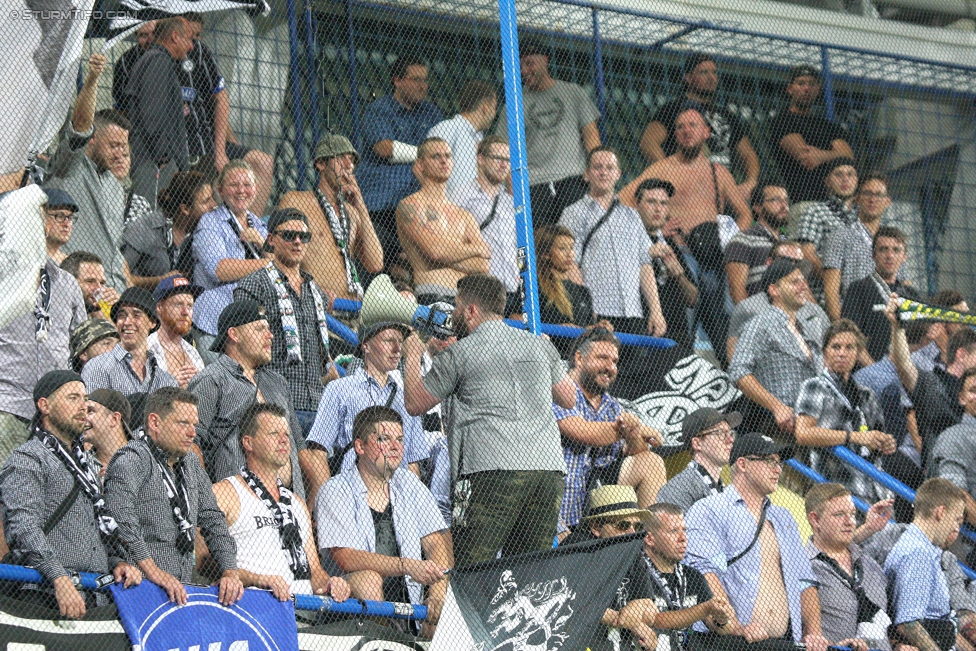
180 326
459 326
691 152
589 384
68 426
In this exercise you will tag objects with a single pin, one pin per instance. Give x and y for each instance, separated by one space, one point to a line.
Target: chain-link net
281 383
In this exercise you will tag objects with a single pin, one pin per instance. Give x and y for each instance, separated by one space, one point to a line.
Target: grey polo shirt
113 370
144 245
953 456
224 394
685 488
101 205
611 266
838 602
24 359
33 483
136 497
497 383
499 234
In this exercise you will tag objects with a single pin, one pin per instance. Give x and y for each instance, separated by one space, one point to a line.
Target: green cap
332 145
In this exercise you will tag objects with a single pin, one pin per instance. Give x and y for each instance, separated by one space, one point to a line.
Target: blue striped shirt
917 587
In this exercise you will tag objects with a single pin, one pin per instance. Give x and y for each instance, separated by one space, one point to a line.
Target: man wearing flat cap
130 367
90 339
709 435
342 231
54 514
775 355
296 309
751 554
241 376
59 218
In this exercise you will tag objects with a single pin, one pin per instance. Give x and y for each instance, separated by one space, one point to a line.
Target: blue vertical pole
298 116
599 81
313 77
353 89
828 83
520 174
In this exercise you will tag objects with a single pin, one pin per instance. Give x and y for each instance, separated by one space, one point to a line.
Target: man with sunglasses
751 554
296 313
709 434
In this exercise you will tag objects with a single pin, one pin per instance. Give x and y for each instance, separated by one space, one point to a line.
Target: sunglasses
627 525
289 236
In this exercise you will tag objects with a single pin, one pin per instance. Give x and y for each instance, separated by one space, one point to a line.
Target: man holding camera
506 457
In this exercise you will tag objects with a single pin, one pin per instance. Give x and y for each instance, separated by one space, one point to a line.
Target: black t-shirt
201 80
394 587
635 585
120 77
802 184
672 299
727 130
686 587
582 302
936 406
859 301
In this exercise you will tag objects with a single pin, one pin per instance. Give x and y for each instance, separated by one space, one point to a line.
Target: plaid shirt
848 248
113 370
581 459
769 351
820 219
304 379
823 402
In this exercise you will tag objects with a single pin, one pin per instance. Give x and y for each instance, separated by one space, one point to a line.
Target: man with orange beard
441 240
174 297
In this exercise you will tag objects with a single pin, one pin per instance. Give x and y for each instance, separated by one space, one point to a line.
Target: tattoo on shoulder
406 213
432 215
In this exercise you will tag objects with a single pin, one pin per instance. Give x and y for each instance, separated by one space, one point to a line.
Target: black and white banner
133 13
542 601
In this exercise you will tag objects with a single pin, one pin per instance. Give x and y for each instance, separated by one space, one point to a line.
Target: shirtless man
768 580
698 195
346 231
441 240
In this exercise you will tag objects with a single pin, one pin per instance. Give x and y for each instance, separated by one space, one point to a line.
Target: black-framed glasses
627 525
721 433
289 236
61 216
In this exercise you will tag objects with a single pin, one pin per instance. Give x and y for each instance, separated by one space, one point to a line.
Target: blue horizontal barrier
566 332
386 609
345 332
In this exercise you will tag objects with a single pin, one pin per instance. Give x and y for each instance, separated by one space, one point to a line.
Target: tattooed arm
916 635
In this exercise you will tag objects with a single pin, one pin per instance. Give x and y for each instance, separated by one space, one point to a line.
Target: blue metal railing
883 478
365 608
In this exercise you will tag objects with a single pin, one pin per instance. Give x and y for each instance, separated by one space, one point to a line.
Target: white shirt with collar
463 139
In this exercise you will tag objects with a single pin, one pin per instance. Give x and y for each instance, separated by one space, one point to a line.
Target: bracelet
847 439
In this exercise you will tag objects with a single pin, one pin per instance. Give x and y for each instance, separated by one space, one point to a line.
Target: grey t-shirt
953 456
685 488
554 121
810 318
497 387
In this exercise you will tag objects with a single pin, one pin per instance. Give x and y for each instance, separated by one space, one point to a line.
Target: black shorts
606 475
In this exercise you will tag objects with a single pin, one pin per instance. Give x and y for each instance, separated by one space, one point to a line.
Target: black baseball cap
804 70
236 314
783 267
834 163
114 402
279 217
704 418
140 298
760 445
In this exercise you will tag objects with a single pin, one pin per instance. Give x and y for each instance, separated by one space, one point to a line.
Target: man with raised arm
441 240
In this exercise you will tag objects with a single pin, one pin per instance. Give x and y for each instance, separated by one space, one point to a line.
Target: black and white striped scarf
178 499
79 464
288 532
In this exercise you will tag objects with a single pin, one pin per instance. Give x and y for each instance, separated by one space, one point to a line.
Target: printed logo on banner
532 617
258 622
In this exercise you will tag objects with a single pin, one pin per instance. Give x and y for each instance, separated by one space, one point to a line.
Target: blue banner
258 622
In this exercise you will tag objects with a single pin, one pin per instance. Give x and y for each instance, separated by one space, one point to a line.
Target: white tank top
258 543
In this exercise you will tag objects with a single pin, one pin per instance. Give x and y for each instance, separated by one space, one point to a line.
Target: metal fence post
828 83
298 115
311 52
598 81
353 88
520 174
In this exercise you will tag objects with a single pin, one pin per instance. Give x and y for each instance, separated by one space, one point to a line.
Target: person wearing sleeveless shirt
271 526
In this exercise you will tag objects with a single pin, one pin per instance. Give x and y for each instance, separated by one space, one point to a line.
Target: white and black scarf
289 322
288 531
178 498
42 306
79 464
339 225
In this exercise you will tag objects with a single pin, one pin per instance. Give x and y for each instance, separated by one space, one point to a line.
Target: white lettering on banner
19 646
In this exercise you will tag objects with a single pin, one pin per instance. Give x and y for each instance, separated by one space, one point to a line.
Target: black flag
545 600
